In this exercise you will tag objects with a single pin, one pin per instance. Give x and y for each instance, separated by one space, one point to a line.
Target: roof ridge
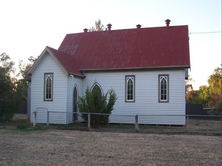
172 26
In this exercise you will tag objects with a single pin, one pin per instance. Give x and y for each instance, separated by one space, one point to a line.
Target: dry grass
20 146
68 147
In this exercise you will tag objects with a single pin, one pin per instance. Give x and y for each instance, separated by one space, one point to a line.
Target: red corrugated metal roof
66 61
131 48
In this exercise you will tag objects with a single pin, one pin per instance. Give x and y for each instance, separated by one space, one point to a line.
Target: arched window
48 88
96 89
163 88
96 93
130 88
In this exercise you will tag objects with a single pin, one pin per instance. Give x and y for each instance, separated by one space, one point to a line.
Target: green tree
13 91
210 95
215 82
215 86
24 67
98 26
22 84
192 97
204 95
95 102
8 100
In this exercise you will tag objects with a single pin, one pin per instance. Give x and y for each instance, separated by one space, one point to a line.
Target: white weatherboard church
146 67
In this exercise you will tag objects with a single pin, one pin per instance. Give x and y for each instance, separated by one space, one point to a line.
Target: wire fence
191 121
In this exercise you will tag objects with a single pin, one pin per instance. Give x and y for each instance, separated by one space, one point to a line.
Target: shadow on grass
26 127
195 125
144 128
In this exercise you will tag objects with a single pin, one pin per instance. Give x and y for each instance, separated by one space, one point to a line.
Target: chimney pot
85 30
138 26
109 26
167 23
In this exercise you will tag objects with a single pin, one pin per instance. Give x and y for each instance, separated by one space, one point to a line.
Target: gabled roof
142 48
64 61
130 48
67 61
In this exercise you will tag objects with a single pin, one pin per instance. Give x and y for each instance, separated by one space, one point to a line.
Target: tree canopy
13 90
209 96
98 26
215 82
8 95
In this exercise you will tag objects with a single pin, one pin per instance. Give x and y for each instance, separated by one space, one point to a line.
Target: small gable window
130 88
48 87
163 88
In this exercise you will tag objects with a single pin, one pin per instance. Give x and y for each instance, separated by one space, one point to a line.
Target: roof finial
109 26
85 30
167 23
138 26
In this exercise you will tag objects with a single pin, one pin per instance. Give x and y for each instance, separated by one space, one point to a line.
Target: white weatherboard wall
59 103
146 96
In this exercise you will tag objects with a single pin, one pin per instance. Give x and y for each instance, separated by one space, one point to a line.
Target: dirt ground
69 147
204 124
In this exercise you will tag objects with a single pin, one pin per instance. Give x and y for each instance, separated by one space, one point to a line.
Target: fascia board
139 68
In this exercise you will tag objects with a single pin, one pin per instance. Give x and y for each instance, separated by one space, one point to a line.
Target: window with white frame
130 88
163 88
48 86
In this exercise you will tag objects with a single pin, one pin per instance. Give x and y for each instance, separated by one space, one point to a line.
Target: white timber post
89 121
136 123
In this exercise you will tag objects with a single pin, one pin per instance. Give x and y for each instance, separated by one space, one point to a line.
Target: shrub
6 110
95 102
217 109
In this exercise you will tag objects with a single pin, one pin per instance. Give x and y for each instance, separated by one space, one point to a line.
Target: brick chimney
138 26
109 26
167 23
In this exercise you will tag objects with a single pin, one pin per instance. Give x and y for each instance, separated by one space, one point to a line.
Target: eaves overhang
181 67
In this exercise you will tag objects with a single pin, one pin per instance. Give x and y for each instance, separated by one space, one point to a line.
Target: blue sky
28 26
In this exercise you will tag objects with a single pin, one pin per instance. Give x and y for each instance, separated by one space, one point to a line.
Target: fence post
34 118
136 123
47 118
89 121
